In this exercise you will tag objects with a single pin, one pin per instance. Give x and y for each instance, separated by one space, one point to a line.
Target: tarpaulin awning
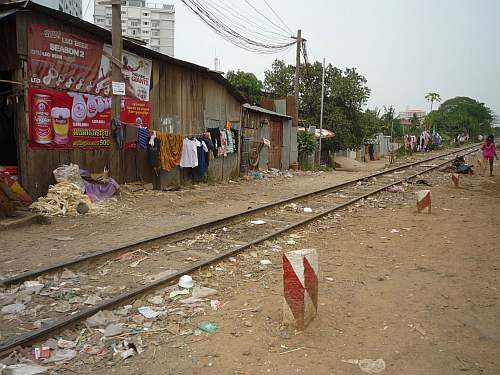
324 132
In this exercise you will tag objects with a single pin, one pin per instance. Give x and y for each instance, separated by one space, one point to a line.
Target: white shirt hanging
189 156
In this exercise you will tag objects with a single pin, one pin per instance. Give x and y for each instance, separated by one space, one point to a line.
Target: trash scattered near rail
192 309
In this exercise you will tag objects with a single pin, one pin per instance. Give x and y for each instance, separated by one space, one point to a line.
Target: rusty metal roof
256 108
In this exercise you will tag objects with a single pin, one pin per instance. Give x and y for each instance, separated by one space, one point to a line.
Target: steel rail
212 223
41 333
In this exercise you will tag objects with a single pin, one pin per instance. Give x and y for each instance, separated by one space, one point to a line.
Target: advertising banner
134 113
70 90
67 61
135 72
62 60
66 119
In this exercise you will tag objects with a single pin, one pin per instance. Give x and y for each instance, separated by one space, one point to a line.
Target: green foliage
414 120
278 80
371 123
306 144
345 95
398 130
462 115
247 84
305 165
389 115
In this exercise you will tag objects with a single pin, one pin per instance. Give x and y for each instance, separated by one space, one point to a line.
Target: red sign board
66 119
70 90
66 61
62 60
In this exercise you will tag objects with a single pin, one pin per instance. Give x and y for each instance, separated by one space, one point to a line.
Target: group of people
422 142
464 138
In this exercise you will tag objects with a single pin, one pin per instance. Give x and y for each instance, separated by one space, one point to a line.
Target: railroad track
159 261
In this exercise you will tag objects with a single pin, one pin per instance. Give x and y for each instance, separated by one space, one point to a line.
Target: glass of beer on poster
60 122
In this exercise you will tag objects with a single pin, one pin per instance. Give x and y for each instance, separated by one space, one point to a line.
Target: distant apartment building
73 7
405 117
154 24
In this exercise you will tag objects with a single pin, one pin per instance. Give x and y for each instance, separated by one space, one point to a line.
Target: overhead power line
263 15
304 52
240 28
232 11
244 25
278 17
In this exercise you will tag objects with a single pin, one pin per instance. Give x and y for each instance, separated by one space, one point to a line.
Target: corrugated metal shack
261 123
184 98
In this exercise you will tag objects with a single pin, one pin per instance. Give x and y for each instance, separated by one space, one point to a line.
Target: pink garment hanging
223 144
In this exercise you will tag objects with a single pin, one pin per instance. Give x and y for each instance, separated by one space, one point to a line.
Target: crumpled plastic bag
69 173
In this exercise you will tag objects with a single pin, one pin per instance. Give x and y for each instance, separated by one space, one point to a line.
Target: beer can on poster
43 131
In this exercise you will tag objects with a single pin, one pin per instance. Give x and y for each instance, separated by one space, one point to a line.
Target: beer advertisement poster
70 90
66 119
62 60
67 61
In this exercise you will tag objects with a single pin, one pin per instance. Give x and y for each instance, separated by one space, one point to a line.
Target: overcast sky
405 48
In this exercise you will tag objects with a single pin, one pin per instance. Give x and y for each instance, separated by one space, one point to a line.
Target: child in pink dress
489 151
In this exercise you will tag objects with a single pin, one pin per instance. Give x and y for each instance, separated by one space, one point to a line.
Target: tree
388 119
462 115
306 144
433 97
415 122
371 123
345 95
247 84
278 80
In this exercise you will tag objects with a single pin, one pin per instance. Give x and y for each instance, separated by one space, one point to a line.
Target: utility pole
297 75
116 65
391 158
321 111
116 42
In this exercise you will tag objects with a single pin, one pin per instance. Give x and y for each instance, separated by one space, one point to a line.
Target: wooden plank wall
189 102
182 100
8 43
253 127
36 166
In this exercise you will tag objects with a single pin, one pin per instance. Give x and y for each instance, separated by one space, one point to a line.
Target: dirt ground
420 291
152 213
142 214
425 299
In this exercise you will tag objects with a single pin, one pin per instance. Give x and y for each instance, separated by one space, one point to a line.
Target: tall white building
73 7
154 24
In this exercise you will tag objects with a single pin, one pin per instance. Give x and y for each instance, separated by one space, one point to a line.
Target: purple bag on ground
99 190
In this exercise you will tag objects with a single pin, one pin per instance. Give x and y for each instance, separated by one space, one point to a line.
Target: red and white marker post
424 200
300 284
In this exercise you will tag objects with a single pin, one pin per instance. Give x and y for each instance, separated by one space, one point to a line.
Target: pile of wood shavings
61 199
